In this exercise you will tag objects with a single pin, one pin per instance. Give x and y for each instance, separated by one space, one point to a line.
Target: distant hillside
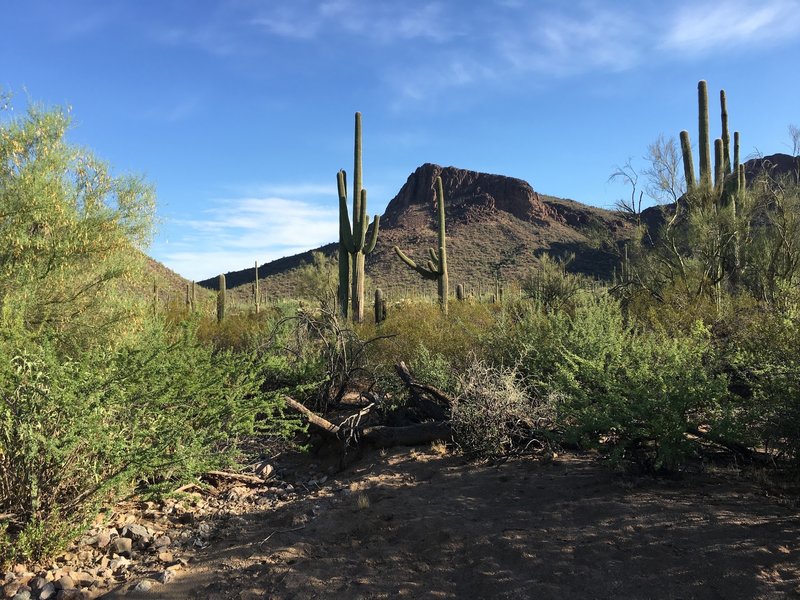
496 226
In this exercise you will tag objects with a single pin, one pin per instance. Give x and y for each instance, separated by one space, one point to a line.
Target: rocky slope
496 226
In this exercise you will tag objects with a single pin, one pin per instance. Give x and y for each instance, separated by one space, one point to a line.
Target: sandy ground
411 524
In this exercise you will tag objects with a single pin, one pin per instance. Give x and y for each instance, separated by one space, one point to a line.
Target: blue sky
241 111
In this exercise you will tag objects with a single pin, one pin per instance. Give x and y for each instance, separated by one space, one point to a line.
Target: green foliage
67 231
97 393
551 285
76 431
318 281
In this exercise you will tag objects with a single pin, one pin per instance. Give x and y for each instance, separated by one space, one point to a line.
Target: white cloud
237 232
714 26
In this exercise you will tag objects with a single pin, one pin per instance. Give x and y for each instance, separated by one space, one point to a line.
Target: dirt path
418 525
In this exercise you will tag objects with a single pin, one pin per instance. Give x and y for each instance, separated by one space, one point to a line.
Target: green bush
634 391
74 432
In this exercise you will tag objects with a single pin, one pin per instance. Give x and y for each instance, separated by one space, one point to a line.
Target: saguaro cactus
256 292
717 191
221 299
710 180
380 306
353 244
436 267
460 294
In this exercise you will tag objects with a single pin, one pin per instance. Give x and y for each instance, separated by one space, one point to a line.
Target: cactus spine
353 244
221 299
436 267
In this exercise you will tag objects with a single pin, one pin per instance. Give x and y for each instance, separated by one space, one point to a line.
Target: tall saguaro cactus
221 292
436 267
257 292
709 179
353 243
714 190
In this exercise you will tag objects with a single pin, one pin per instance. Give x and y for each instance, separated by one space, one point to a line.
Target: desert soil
420 524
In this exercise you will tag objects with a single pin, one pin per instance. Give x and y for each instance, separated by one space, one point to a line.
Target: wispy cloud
236 232
715 26
384 23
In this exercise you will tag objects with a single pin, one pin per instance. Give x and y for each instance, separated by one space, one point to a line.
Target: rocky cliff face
469 195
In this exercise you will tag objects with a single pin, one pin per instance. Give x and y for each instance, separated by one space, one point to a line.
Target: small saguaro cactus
380 306
221 299
256 293
155 297
460 295
353 243
436 267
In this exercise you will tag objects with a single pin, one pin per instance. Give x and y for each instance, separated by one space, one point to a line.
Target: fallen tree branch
380 436
243 477
416 387
312 417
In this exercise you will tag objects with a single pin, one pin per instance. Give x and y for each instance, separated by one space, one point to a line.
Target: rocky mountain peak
469 195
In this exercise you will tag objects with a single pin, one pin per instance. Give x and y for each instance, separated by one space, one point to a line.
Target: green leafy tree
67 231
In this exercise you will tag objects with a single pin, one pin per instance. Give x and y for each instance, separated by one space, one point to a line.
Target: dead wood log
416 387
313 418
380 436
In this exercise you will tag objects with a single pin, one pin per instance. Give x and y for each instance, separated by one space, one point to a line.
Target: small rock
162 542
82 579
24 593
65 582
145 585
10 589
72 594
48 591
102 539
165 576
165 557
119 564
37 583
137 532
122 546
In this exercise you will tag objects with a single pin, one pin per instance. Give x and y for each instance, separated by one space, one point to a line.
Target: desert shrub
551 285
74 432
761 352
493 415
411 325
634 391
433 369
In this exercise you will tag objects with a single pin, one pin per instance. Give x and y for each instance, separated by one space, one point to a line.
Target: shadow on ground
417 525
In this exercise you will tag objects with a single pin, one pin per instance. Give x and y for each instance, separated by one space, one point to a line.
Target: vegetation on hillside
691 349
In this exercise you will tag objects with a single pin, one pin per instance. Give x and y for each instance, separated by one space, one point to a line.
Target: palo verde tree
68 229
353 244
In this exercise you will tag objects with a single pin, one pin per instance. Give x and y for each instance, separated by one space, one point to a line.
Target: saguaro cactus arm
345 231
428 273
373 237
